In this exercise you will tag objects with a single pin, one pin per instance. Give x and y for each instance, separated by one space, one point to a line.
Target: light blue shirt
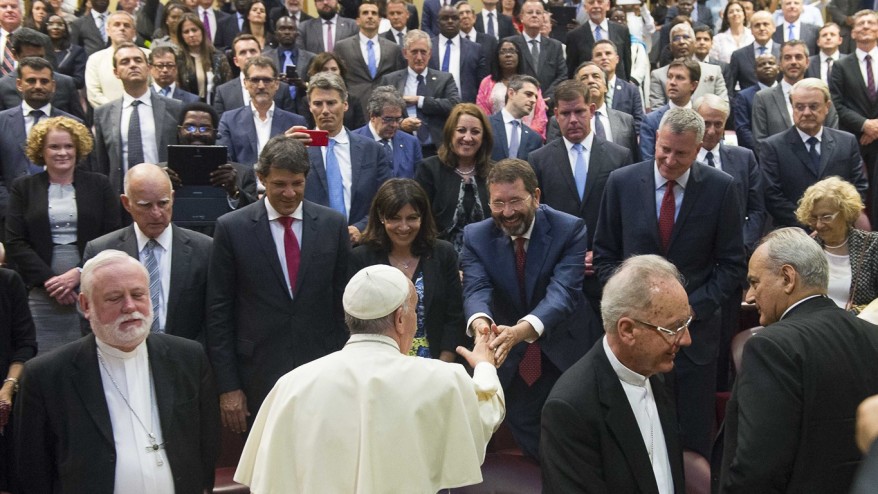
679 190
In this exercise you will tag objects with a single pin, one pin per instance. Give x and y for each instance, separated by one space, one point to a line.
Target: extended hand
480 353
509 336
233 407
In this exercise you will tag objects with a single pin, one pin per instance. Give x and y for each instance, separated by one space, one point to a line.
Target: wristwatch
14 385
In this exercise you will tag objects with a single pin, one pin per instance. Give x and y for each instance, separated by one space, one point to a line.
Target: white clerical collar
164 239
796 305
373 339
805 137
273 214
660 181
46 109
624 374
119 354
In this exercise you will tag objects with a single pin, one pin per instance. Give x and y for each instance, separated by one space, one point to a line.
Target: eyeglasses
201 129
392 120
801 107
162 66
515 203
674 334
825 218
509 51
260 80
681 37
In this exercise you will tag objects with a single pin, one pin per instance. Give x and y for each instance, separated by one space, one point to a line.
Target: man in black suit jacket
790 422
742 102
511 135
296 290
802 31
828 40
790 166
86 31
430 18
594 439
556 166
491 22
701 235
622 95
120 410
150 202
163 69
470 67
290 8
399 15
30 43
312 33
857 111
742 66
867 432
581 40
468 32
230 95
549 68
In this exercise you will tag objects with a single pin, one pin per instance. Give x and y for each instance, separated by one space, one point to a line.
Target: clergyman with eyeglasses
522 284
609 424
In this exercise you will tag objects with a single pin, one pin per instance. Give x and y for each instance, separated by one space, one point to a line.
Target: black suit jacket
226 29
245 278
504 23
742 67
851 102
66 96
229 96
443 186
71 62
790 422
742 112
787 169
590 439
473 66
808 35
529 140
741 164
441 97
627 98
84 32
443 297
358 81
581 40
64 435
28 233
552 69
186 297
17 331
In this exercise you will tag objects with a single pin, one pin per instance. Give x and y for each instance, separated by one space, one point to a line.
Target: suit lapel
537 246
310 232
158 115
690 198
595 160
181 255
317 166
646 193
248 128
430 269
88 384
781 105
525 52
795 143
15 122
502 248
616 126
128 243
565 167
262 232
161 367
827 148
500 136
356 170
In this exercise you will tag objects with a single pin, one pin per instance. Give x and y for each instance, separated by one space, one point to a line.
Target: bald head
149 198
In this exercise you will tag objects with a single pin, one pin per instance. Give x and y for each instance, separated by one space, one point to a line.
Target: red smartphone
318 137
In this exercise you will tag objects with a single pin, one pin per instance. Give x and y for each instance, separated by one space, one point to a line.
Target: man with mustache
522 285
122 409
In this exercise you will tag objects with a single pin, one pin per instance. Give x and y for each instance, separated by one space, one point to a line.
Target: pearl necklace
827 246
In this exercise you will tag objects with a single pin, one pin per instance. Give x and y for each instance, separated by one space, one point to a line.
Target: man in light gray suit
772 110
129 133
382 56
683 46
328 26
150 201
426 112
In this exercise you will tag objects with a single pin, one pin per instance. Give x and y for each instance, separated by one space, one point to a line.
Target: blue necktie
165 91
815 156
597 33
513 140
491 31
762 50
423 132
370 53
792 34
333 180
446 60
288 60
599 126
155 283
388 149
579 170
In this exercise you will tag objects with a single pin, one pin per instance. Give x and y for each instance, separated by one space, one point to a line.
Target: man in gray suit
181 254
772 110
90 30
429 94
683 46
137 127
543 56
323 32
368 56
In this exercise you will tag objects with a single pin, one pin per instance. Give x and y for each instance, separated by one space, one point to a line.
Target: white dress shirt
641 398
805 138
137 470
823 67
454 63
147 128
605 121
797 29
325 31
679 190
244 91
702 156
769 45
29 120
277 234
263 127
364 49
605 29
100 18
162 256
211 17
861 57
411 89
343 155
396 36
486 21
786 87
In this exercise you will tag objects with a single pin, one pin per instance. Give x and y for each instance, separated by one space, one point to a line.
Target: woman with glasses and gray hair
830 207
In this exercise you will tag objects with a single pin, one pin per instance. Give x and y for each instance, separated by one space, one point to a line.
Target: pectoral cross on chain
154 447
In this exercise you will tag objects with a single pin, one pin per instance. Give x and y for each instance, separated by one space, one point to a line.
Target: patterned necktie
535 52
829 69
165 91
597 33
102 26
762 50
330 40
871 90
423 132
710 160
580 170
399 36
388 149
599 126
8 65
530 367
334 181
815 156
155 283
135 144
666 215
446 59
791 33
206 20
288 60
513 140
370 59
491 31
291 250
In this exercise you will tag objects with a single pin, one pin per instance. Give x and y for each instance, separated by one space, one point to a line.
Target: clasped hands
502 338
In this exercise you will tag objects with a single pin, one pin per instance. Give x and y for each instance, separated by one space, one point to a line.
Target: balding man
742 66
790 421
179 255
609 423
414 442
122 409
101 83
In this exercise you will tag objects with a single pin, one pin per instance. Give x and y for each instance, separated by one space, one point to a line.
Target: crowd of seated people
592 196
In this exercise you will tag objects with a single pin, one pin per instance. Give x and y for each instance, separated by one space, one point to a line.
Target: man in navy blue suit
683 76
687 212
742 104
512 138
163 69
622 95
348 171
460 57
386 111
522 283
742 66
430 18
246 130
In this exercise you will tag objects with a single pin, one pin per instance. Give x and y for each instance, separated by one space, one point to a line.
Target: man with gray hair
609 423
688 213
790 421
388 422
120 410
808 152
386 112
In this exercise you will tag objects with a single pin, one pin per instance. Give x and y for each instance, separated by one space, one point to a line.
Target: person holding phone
292 61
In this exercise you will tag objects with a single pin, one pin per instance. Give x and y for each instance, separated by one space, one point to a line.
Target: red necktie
666 216
530 367
291 249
